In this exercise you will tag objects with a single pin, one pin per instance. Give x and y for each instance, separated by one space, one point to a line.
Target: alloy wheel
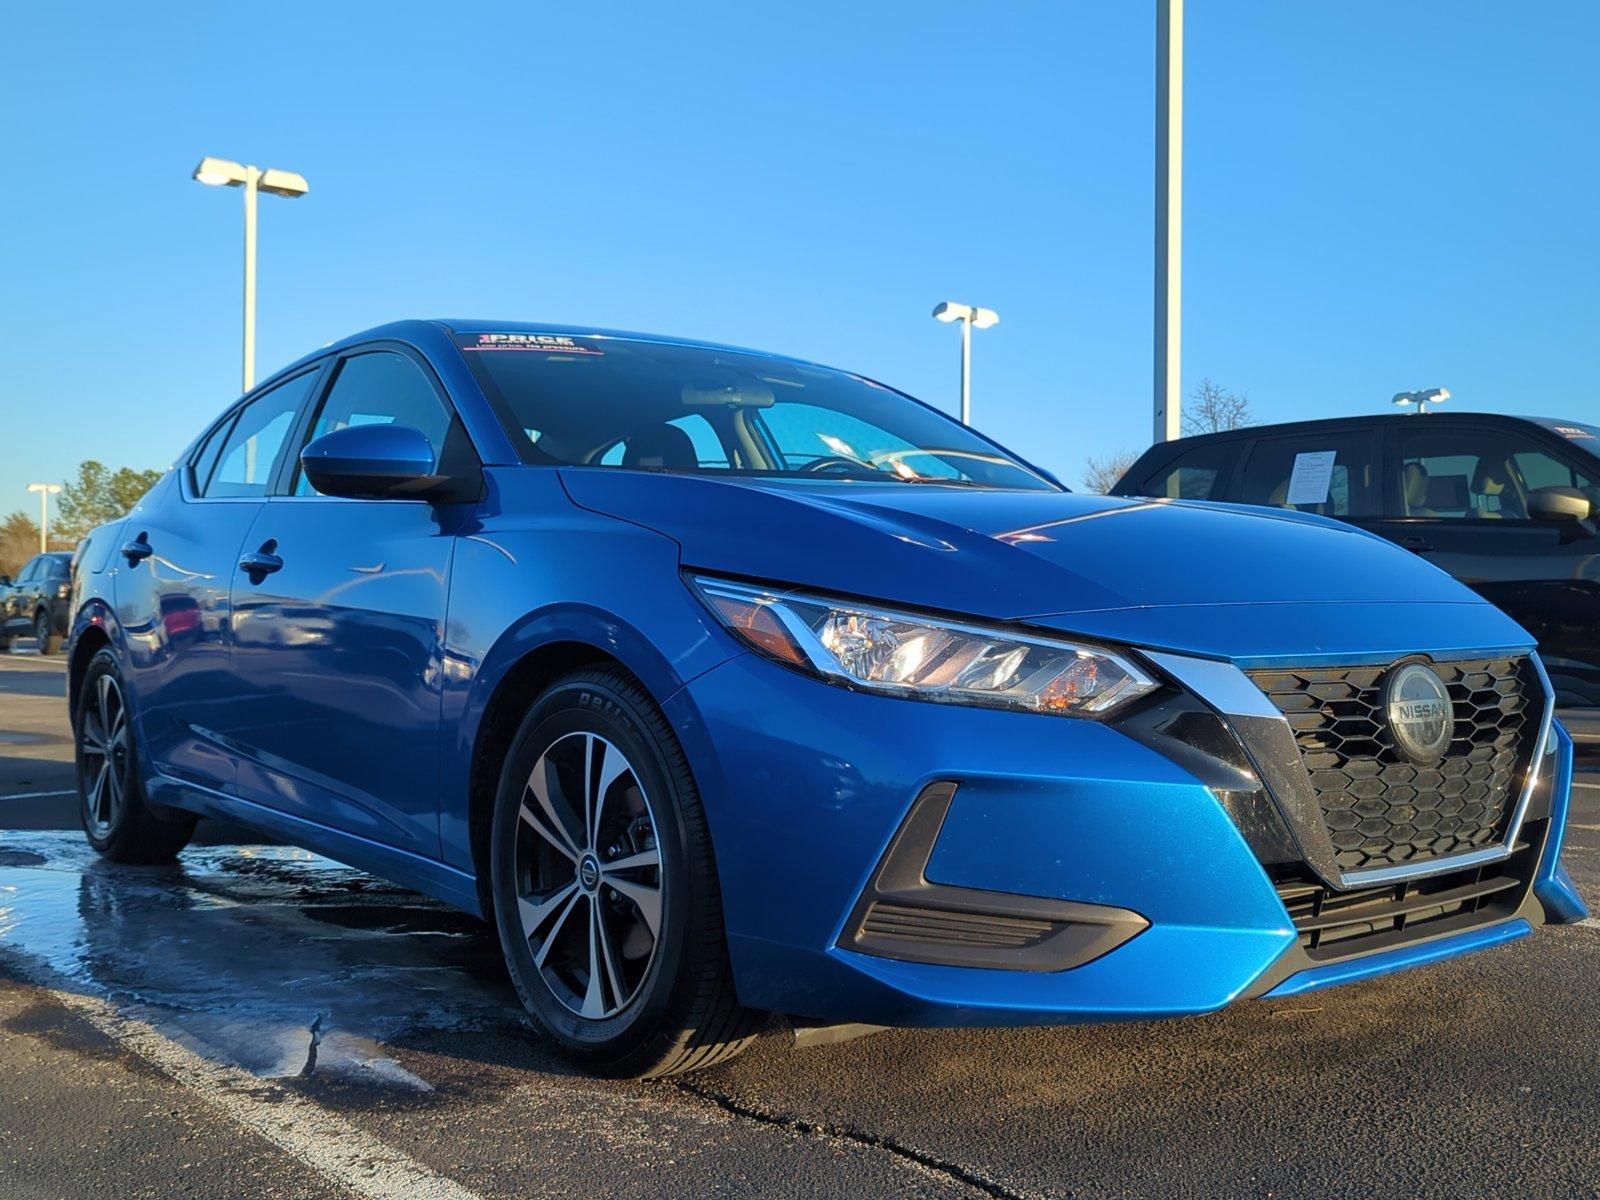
589 875
41 632
105 755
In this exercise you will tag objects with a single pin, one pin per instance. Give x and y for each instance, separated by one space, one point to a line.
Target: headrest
1415 480
660 448
1490 478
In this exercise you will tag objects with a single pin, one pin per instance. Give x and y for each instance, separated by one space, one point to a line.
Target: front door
1460 499
339 641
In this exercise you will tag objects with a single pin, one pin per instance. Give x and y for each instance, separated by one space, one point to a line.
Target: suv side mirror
1559 504
372 462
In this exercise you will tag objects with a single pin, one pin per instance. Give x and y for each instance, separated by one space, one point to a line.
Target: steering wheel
829 463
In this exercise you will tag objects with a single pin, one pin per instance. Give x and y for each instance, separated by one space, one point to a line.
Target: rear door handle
261 563
137 550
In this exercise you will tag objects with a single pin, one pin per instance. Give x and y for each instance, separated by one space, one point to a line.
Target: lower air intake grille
888 923
1334 925
1383 810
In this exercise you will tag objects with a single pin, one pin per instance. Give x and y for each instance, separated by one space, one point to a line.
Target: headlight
905 654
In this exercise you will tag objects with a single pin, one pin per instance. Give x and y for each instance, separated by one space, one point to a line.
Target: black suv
35 604
1507 505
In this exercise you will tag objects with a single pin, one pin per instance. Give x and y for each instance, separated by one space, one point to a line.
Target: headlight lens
923 657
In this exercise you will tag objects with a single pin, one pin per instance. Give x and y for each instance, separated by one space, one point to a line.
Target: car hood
1221 580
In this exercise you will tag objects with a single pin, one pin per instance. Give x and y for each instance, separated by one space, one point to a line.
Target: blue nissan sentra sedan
727 684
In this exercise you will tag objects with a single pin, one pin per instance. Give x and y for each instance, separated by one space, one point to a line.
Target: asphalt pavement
259 1021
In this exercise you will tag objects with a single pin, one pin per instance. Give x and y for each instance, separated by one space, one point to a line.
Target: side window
656 447
60 568
1478 474
381 387
30 571
1333 475
1201 474
251 451
205 460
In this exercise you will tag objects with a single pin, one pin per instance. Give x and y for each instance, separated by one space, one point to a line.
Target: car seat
1492 481
661 448
1414 482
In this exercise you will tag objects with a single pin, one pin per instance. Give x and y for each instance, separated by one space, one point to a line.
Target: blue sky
1379 196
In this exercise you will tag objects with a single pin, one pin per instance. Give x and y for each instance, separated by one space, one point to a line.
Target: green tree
99 495
19 541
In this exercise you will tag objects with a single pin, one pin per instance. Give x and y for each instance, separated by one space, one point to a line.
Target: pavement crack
953 1171
311 1051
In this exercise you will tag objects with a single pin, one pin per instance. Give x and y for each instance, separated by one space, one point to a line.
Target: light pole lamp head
220 172
949 310
282 183
49 489
983 318
1422 397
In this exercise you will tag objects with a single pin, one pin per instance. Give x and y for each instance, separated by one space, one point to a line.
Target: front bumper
806 785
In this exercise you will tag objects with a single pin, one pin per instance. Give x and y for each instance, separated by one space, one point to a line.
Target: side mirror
5 581
1559 504
372 462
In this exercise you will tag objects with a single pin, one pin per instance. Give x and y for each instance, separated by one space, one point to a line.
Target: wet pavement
258 1020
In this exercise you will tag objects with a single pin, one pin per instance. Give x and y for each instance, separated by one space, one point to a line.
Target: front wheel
605 889
117 819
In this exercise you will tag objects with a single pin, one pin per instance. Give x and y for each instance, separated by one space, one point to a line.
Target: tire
49 643
118 820
618 995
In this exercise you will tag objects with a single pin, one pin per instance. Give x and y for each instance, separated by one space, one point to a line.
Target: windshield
615 402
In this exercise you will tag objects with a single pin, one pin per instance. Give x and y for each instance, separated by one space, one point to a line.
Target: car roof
409 329
1370 421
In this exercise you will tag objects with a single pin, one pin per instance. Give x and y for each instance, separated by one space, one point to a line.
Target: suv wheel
118 820
49 643
605 889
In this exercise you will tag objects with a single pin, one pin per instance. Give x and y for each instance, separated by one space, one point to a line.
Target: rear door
1459 497
340 648
1334 473
174 558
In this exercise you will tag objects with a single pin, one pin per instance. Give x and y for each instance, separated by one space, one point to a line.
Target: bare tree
1213 409
1100 475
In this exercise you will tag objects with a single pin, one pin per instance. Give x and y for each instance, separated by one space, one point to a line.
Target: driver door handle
1417 543
261 563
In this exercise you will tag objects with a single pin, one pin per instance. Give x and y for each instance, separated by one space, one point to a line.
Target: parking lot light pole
222 172
45 490
969 316
1169 221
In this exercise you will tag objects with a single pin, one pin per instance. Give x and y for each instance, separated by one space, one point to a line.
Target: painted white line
328 1144
1589 923
38 795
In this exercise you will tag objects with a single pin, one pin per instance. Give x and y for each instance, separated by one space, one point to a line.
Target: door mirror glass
372 462
1559 504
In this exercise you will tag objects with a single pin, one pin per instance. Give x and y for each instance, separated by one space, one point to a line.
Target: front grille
1334 925
1382 809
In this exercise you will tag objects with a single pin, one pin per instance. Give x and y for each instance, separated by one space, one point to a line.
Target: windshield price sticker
550 343
1313 476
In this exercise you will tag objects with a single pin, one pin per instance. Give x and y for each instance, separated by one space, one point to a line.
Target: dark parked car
1505 504
35 603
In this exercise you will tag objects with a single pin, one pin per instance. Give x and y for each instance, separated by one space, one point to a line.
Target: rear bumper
806 786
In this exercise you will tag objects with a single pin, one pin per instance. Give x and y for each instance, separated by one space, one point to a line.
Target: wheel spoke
594 1000
612 766
646 898
632 862
97 793
608 957
535 913
103 701
555 929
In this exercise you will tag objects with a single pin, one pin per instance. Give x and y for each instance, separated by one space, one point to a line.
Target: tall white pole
44 520
251 178
1169 221
966 371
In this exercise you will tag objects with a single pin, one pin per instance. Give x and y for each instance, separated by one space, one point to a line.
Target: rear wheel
118 820
48 642
605 888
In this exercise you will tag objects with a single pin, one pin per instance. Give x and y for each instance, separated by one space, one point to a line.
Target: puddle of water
235 950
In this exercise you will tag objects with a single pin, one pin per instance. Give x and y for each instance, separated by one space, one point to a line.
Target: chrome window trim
1226 688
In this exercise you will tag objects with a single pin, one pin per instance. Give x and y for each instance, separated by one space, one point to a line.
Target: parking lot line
38 795
328 1144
